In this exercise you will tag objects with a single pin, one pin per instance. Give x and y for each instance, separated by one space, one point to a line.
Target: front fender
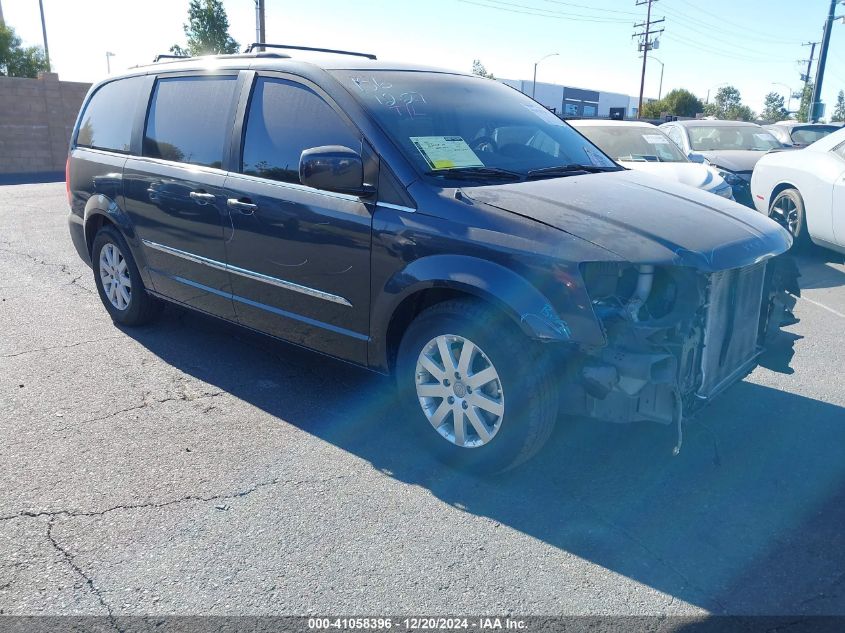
529 309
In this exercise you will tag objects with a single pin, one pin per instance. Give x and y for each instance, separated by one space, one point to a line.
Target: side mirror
333 168
696 158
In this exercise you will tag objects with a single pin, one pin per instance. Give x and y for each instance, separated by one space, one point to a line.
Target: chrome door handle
245 207
201 197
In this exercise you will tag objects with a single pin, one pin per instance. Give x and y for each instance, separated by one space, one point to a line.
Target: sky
752 44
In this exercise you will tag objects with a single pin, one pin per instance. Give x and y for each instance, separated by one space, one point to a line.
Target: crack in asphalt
166 504
51 347
43 262
183 397
69 559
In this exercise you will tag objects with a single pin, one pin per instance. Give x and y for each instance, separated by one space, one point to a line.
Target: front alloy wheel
787 209
460 391
476 391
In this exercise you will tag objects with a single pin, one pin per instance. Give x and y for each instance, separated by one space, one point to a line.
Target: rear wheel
477 391
118 281
787 209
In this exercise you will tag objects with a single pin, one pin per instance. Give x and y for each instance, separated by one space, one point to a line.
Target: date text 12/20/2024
416 623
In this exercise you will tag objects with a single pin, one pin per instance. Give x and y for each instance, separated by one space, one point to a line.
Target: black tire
528 391
142 307
798 228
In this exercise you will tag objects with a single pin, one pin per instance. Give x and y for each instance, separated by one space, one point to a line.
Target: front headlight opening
731 178
615 290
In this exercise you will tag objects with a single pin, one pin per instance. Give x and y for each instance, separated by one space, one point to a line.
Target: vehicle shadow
747 519
821 268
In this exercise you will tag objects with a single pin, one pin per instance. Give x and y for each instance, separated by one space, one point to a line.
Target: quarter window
109 115
189 118
284 119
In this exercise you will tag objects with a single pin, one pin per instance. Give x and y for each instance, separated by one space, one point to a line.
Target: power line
688 25
720 52
722 27
585 6
525 10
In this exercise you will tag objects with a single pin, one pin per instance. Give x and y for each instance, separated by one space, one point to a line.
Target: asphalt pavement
190 467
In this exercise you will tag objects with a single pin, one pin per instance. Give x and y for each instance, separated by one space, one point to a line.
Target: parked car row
437 226
802 188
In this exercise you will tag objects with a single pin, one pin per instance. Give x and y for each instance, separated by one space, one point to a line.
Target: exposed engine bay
677 337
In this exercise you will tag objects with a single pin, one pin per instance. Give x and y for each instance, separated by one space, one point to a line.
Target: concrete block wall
36 121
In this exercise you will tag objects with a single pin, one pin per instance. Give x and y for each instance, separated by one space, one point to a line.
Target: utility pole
44 34
805 77
646 44
816 101
2 22
260 23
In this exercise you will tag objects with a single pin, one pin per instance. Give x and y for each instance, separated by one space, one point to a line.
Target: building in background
569 101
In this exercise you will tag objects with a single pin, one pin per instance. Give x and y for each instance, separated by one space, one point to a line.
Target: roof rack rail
255 45
168 56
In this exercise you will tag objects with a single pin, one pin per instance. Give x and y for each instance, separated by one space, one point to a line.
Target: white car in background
804 190
644 147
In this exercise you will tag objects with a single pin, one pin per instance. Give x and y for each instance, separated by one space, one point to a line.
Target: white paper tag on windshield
445 152
655 139
543 113
596 157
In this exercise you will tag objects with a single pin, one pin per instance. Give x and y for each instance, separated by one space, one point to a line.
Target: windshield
724 137
634 143
811 134
452 126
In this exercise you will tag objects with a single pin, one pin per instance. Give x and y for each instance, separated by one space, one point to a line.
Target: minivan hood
644 219
733 159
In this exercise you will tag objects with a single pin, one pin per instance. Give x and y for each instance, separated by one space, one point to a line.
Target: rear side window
189 118
284 119
109 115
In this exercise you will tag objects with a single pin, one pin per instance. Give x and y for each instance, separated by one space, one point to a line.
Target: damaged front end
677 336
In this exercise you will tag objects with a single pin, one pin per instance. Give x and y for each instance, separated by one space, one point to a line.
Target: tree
479 69
728 105
839 110
17 60
678 102
773 108
207 30
806 97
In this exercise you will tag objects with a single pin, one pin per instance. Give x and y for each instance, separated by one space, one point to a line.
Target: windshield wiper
476 173
568 170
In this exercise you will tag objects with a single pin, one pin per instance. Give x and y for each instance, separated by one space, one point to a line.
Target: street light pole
108 62
44 34
534 83
660 90
711 88
789 95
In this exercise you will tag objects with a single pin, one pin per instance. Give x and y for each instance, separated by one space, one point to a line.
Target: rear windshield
811 134
634 143
447 122
724 137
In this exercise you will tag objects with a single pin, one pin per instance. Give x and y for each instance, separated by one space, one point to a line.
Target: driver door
299 257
